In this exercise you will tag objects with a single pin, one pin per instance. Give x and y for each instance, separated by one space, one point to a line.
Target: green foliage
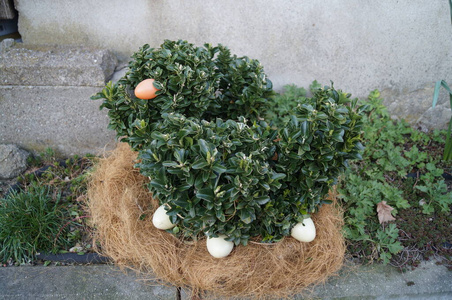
245 180
434 191
243 88
215 176
30 221
386 242
324 132
393 150
200 82
48 156
46 214
220 167
285 103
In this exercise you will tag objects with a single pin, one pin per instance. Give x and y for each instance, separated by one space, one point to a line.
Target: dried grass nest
118 200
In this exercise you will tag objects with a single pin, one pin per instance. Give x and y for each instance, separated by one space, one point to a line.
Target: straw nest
121 208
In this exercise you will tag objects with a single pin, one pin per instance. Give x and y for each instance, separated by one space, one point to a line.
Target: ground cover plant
44 211
403 168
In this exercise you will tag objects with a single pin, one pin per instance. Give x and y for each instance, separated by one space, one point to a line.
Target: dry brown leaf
384 212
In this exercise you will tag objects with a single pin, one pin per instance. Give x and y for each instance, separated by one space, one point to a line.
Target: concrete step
45 97
61 117
49 65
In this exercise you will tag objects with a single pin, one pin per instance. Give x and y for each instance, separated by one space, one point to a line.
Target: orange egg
146 89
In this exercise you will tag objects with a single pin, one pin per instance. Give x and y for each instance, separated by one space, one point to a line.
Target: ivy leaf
384 212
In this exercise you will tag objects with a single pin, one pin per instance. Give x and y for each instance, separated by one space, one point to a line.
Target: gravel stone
13 161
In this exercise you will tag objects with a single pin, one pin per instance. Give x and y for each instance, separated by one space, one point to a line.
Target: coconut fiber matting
121 209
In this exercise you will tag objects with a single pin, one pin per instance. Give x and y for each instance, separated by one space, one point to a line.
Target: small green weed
48 156
393 150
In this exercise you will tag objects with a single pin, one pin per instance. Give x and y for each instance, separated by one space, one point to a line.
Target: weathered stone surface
435 118
63 118
13 161
415 106
47 65
6 44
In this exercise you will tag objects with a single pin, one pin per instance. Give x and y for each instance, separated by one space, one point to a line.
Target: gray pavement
429 281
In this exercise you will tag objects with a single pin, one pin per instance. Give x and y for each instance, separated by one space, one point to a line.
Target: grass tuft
30 220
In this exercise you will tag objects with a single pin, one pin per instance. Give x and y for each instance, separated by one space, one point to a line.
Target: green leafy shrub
323 133
219 177
210 155
244 88
285 103
200 82
30 221
215 176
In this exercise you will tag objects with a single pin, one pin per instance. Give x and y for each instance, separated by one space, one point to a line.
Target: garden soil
121 208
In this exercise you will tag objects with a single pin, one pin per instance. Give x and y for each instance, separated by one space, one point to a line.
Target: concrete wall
359 44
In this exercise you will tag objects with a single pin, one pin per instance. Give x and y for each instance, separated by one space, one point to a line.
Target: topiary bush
215 176
200 82
211 148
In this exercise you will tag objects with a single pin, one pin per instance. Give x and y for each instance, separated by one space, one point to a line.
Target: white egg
218 247
161 220
304 231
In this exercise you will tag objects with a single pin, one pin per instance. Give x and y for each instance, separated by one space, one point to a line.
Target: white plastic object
161 220
218 247
304 231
